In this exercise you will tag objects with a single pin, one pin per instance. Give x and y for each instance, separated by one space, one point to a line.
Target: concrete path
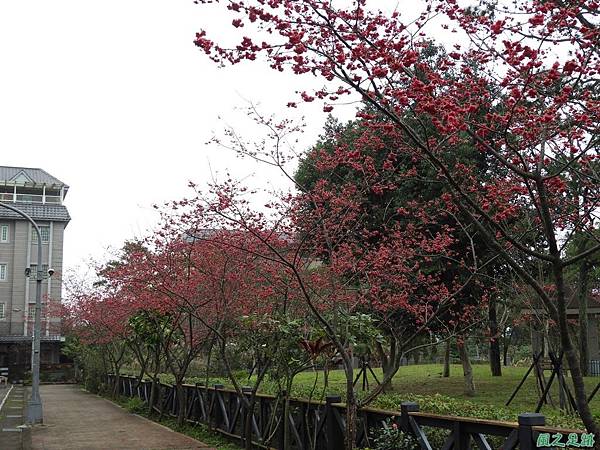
14 435
76 419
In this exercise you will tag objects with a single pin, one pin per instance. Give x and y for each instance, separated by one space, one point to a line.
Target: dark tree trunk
181 402
286 421
117 370
572 358
140 377
153 395
351 415
582 294
578 384
561 314
388 362
351 402
115 388
569 349
446 372
506 341
248 424
155 389
495 366
467 369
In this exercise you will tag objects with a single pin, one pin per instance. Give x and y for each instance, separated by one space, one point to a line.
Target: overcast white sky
114 99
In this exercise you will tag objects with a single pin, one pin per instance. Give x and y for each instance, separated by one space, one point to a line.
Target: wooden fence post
281 430
461 439
405 408
247 392
526 423
216 407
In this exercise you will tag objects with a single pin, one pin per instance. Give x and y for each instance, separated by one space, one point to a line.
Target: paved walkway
13 434
76 419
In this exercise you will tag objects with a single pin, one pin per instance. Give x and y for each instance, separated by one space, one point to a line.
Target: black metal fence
594 368
320 425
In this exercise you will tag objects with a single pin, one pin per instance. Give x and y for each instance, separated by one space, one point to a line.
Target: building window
33 274
3 272
31 312
2 313
44 231
4 233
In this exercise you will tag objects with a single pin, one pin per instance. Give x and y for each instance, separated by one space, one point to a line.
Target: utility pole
34 406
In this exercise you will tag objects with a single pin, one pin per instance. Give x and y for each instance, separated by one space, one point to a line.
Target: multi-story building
41 196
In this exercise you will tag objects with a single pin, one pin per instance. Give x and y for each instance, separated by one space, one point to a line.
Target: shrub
92 382
445 405
392 438
135 405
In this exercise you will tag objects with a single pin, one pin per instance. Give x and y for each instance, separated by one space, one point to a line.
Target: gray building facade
41 196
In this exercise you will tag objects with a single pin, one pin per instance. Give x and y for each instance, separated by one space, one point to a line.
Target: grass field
427 380
424 383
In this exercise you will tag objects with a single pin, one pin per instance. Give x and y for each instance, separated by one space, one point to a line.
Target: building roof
57 213
572 306
28 175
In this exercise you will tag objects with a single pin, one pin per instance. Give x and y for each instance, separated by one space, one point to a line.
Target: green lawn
427 380
424 384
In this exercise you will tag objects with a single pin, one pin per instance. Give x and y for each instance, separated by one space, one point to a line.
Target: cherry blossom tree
400 224
99 321
523 91
330 276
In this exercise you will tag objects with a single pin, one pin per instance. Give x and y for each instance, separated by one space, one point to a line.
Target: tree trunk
561 312
446 372
495 365
351 413
417 357
467 369
181 402
140 377
351 404
579 387
506 341
571 354
286 422
582 294
153 392
388 363
247 432
115 389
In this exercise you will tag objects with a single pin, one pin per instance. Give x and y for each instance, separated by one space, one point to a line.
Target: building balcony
10 197
22 338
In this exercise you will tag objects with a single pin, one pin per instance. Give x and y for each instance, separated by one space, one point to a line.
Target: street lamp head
50 272
27 271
